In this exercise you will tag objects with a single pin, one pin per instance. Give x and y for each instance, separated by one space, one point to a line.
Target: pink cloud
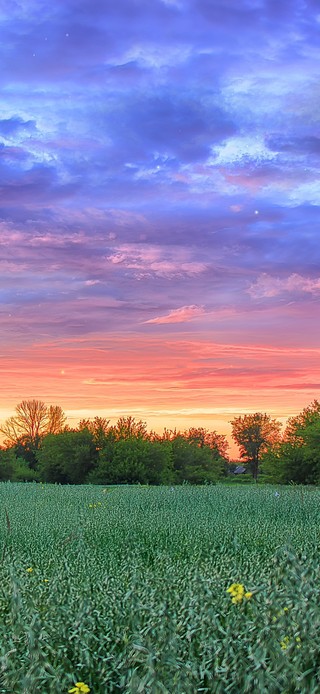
268 286
158 261
179 315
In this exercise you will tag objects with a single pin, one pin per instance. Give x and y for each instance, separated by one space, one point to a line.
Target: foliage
98 428
297 457
254 434
169 590
132 460
7 464
128 428
40 445
13 468
67 457
193 463
202 437
33 420
296 425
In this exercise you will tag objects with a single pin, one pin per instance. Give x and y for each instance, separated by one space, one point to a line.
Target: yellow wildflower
79 688
29 570
280 613
285 643
238 592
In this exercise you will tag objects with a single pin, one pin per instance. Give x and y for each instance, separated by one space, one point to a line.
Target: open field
125 589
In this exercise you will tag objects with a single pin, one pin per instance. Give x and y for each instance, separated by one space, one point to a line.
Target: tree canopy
31 422
39 445
254 433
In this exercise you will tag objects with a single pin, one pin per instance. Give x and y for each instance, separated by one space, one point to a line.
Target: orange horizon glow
167 383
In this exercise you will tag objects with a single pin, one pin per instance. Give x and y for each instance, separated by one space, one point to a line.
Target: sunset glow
159 214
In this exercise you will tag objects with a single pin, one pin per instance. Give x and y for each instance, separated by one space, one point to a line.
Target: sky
159 208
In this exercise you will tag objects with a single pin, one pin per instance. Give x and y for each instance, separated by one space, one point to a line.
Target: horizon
156 422
159 222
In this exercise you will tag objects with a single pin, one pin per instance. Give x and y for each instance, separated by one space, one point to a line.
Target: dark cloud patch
12 153
39 184
309 144
172 124
11 126
228 13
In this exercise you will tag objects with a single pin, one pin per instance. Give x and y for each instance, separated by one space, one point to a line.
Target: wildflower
79 688
280 613
285 643
238 592
29 570
45 580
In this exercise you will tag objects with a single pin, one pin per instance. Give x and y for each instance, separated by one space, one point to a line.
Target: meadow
125 589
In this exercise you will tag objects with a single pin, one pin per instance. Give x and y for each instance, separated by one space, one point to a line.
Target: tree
7 464
128 427
32 421
134 460
194 463
14 468
297 457
254 433
56 420
67 457
99 428
294 431
202 437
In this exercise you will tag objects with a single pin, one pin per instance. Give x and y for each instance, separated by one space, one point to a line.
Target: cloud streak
179 315
268 286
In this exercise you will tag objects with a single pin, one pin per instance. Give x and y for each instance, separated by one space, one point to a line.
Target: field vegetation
172 590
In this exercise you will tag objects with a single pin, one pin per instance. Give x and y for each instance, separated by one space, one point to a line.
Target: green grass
127 591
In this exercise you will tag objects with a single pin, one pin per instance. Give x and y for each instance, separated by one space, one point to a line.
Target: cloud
179 315
155 260
169 123
268 286
310 144
11 126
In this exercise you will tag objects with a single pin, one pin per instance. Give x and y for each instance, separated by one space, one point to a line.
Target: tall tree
99 428
294 431
254 433
31 422
297 458
202 437
128 427
66 458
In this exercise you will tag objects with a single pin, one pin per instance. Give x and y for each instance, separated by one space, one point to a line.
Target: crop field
159 590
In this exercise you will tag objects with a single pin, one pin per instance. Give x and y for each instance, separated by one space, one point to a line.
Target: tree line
39 445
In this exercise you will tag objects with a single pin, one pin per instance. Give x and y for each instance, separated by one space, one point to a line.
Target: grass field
125 589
